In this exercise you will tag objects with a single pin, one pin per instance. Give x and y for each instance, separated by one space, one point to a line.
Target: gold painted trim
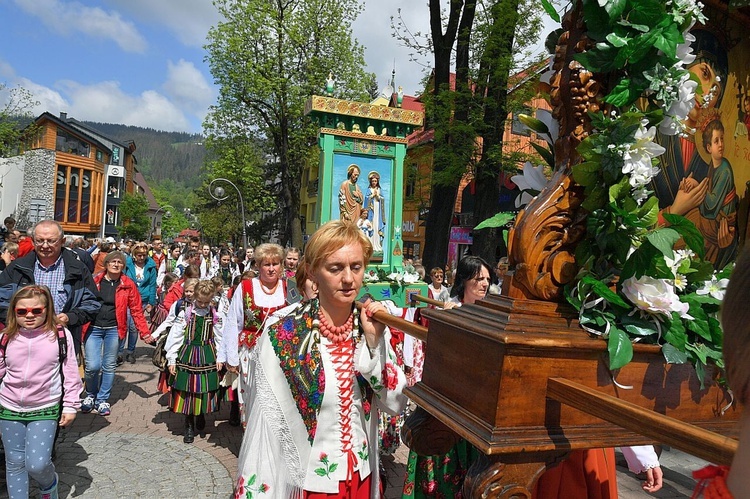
363 110
364 136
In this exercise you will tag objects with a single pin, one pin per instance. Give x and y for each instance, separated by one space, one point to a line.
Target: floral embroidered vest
255 315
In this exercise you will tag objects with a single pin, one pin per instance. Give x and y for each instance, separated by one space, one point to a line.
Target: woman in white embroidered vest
253 302
316 375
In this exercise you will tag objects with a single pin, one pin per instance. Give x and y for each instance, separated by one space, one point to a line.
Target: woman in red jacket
102 339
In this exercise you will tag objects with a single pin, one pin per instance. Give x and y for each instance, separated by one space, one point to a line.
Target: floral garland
633 285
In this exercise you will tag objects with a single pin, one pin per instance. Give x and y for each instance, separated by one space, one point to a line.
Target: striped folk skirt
195 387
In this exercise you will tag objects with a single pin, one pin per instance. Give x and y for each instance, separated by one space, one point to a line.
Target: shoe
189 437
50 493
130 358
103 409
200 423
88 404
120 360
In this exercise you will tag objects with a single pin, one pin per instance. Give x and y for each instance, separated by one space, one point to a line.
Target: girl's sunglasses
25 311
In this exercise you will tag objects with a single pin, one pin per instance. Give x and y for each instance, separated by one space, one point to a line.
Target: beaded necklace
335 334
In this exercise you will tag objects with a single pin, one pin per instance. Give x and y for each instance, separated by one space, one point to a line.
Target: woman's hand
653 481
149 339
447 305
233 369
726 234
67 418
219 366
372 328
172 370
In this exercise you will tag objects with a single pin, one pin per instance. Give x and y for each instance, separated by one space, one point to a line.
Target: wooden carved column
542 242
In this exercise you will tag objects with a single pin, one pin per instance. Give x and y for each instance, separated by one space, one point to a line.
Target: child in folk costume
191 356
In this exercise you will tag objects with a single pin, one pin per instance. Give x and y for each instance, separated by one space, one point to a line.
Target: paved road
138 452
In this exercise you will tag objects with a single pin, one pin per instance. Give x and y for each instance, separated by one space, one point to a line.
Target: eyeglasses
140 254
48 242
115 262
25 311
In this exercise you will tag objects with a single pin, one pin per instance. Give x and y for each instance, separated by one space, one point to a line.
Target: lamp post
219 194
166 214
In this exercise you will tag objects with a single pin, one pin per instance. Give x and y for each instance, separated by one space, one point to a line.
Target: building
71 173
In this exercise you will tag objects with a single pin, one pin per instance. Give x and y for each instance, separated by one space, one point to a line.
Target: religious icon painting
362 194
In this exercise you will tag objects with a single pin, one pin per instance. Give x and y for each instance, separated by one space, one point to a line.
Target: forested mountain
163 157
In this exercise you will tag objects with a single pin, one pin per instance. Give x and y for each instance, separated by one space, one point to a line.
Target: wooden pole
689 438
419 332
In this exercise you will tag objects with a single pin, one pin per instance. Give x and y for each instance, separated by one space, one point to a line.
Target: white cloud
188 88
72 18
106 101
188 20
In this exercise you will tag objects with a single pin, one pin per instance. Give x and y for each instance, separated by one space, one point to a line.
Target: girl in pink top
35 394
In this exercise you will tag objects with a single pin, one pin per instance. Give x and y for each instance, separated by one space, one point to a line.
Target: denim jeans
132 336
28 452
101 355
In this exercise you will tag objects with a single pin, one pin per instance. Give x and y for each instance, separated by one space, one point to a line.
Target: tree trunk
497 64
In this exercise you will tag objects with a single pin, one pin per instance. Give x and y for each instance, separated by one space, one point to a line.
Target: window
411 180
37 210
73 187
70 144
519 128
99 156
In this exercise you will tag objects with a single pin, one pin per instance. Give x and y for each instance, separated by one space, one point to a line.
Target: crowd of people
314 381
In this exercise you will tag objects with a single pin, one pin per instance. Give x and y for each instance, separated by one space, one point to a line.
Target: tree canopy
14 116
268 58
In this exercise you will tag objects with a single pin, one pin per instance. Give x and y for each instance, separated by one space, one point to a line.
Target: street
138 451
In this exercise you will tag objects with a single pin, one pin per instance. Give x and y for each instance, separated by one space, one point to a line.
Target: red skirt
586 473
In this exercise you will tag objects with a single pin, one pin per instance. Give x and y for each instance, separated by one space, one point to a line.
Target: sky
141 62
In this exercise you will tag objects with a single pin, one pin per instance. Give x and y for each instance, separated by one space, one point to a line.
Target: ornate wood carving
542 243
500 477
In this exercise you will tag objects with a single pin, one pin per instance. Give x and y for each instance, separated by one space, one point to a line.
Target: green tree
487 40
14 116
268 59
239 160
134 215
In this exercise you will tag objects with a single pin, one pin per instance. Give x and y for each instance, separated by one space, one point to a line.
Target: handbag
159 357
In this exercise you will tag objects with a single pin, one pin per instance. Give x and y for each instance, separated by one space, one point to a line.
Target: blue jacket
147 287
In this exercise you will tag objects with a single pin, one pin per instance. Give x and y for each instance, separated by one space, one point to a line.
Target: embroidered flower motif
390 375
249 491
363 453
327 468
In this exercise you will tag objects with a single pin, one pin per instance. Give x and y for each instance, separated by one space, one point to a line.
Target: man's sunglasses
25 311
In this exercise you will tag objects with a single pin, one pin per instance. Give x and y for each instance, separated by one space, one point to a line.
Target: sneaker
50 493
130 358
88 404
120 360
103 409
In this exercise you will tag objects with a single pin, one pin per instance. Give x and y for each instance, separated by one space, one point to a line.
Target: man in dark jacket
74 293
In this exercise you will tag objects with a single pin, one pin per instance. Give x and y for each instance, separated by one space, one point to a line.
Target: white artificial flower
410 278
685 50
532 179
675 114
680 282
656 296
641 194
637 157
714 287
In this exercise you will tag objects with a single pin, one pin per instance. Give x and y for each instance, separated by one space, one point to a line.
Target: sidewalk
138 451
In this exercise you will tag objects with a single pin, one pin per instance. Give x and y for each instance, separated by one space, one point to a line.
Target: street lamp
156 214
219 194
